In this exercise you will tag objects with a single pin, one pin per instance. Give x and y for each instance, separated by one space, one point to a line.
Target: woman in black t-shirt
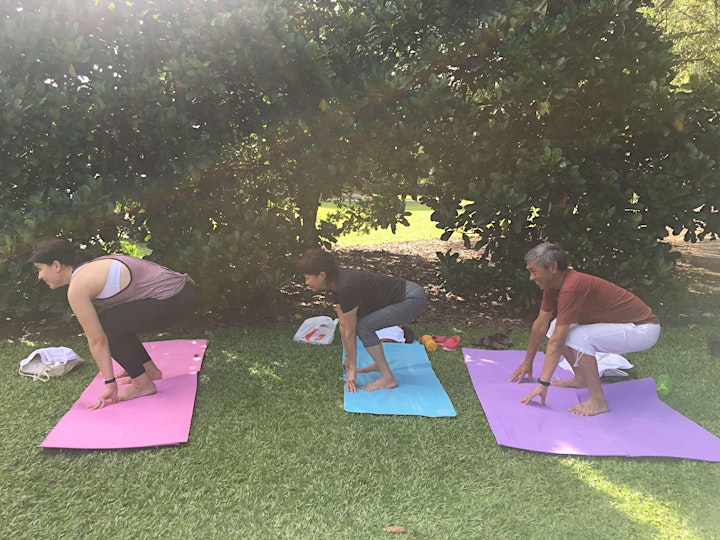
365 302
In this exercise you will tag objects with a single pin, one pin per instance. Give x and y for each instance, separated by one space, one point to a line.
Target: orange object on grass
428 342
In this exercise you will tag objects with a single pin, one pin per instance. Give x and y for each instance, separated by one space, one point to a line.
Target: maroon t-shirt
586 299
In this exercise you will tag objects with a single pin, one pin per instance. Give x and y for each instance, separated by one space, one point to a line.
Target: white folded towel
392 333
51 355
609 365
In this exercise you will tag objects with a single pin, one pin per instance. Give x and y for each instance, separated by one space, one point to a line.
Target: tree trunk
308 201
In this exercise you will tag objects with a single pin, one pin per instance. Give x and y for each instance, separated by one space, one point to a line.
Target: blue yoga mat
418 393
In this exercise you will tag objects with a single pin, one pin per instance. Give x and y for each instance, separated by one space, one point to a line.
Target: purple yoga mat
161 419
638 424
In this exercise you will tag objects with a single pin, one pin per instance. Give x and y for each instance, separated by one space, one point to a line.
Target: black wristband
544 383
110 381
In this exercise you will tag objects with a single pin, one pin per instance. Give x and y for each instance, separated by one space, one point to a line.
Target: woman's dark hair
316 260
57 249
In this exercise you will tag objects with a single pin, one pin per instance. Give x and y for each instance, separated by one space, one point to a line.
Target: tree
208 132
117 116
564 126
693 26
354 108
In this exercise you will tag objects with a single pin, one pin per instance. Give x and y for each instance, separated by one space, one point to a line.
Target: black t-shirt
366 291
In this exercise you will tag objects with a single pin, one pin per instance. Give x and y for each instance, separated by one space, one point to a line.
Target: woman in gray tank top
147 297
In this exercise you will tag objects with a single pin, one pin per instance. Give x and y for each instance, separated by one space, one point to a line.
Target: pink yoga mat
158 420
638 424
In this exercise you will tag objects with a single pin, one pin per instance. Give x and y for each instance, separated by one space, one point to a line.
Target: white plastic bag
318 330
42 364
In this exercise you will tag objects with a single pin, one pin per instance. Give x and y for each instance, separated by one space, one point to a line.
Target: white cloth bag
318 330
42 364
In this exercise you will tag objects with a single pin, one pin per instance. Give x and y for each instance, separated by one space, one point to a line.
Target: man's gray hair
545 254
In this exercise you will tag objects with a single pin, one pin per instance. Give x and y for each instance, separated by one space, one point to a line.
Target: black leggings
123 322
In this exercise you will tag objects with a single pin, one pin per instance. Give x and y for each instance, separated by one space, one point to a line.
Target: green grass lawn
420 228
272 454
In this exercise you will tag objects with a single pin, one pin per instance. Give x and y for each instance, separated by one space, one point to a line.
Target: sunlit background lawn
420 228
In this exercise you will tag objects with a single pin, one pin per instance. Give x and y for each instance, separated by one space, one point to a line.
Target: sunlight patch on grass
639 507
263 371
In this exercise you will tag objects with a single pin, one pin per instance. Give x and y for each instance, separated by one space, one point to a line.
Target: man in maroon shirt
592 316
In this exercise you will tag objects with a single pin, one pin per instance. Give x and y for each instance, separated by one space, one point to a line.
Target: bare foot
382 382
590 408
151 369
575 382
136 390
371 367
121 377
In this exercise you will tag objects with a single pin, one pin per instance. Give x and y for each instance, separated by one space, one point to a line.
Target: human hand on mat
351 382
539 390
523 370
108 396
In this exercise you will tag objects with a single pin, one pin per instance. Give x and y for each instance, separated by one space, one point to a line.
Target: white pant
617 338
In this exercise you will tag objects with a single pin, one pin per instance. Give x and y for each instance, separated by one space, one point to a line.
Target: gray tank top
147 280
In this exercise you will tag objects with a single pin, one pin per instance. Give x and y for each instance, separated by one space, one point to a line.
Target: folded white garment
392 333
51 355
49 362
611 365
